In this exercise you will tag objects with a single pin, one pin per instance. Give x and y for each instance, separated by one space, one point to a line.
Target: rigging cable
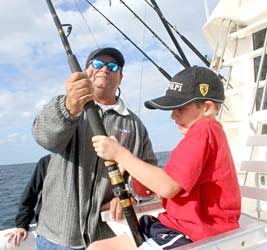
162 71
87 25
163 20
154 34
141 76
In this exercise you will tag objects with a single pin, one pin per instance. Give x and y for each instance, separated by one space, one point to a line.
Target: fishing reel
139 192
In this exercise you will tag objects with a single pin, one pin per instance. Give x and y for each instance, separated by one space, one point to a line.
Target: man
30 197
77 184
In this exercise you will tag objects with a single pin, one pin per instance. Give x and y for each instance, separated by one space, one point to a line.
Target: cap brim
171 103
166 103
109 51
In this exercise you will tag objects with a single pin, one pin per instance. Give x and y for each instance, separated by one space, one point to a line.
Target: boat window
258 41
264 129
259 98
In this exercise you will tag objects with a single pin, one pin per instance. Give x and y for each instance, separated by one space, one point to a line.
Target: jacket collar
118 107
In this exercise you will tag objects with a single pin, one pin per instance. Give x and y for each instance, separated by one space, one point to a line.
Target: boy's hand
106 147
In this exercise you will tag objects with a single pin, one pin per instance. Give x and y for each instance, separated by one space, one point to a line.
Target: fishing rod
117 181
167 27
154 34
161 70
185 40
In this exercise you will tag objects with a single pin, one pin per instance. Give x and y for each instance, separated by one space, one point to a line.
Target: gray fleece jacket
77 183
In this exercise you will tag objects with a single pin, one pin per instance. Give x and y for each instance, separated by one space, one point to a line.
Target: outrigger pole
162 18
154 34
184 39
162 71
117 181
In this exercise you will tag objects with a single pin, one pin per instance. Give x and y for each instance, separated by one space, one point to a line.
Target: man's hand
79 91
16 236
116 211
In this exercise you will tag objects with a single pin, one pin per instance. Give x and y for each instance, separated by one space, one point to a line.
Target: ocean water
13 180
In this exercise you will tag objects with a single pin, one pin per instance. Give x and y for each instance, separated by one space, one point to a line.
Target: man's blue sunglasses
98 64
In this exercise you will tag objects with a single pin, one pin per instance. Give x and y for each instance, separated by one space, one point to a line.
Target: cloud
33 64
13 138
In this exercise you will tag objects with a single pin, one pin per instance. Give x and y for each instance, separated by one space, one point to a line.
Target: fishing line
87 25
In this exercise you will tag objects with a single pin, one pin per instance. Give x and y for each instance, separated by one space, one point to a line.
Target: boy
198 186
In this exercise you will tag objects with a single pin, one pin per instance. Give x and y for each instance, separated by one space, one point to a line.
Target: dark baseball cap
192 84
115 53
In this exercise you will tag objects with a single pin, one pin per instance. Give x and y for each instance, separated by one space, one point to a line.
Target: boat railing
259 77
229 31
217 59
248 30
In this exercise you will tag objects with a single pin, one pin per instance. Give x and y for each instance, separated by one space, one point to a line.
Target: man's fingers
25 235
9 236
113 208
119 213
17 240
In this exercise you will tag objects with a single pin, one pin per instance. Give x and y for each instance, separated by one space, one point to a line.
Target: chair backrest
258 167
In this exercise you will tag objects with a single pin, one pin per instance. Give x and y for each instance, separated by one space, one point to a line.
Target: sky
33 64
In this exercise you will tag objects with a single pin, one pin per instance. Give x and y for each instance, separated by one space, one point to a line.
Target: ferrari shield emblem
204 89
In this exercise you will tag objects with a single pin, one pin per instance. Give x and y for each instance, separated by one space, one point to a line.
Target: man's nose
105 68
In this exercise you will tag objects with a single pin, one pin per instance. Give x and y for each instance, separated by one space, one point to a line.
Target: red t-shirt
210 201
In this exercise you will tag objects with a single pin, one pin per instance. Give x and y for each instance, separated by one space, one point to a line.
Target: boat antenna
206 9
185 40
117 181
154 34
163 20
162 71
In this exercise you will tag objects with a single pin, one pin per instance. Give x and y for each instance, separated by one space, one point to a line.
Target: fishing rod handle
73 63
116 178
94 118
90 107
118 188
132 221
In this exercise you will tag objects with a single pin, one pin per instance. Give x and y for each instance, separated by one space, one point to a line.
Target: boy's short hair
217 105
192 84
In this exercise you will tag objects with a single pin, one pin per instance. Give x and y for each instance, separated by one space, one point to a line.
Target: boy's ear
209 108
